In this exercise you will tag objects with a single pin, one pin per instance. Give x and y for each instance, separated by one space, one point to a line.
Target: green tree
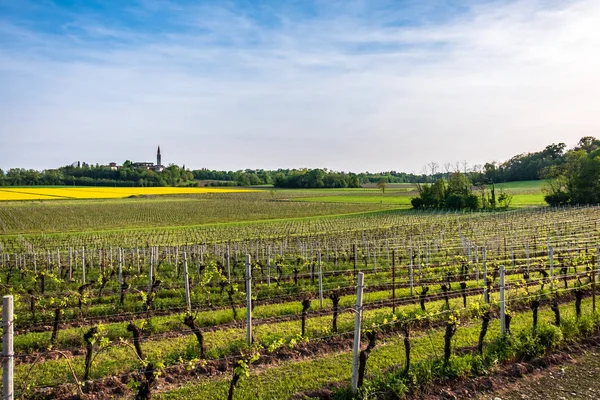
582 177
588 144
459 184
455 194
382 184
504 199
578 180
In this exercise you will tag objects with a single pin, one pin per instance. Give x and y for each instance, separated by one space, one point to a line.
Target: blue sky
347 85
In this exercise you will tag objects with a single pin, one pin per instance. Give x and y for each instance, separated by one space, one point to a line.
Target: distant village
158 167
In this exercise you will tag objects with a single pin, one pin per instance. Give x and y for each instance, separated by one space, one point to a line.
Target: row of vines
133 316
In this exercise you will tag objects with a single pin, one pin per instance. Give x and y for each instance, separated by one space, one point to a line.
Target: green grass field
376 198
523 185
525 194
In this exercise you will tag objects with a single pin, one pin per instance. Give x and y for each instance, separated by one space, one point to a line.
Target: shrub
534 343
458 367
502 348
585 325
557 199
471 201
596 319
570 328
455 202
478 365
529 345
343 393
363 393
396 384
421 373
416 202
550 336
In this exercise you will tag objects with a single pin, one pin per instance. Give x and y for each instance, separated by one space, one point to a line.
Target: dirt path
576 380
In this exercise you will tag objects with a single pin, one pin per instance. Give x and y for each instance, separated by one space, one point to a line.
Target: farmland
116 295
167 211
88 192
524 194
106 208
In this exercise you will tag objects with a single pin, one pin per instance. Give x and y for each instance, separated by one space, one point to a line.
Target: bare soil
577 378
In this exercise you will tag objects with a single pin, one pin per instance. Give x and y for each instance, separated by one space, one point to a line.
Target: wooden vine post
394 281
502 303
320 272
248 300
83 265
269 266
410 271
596 275
357 322
551 263
355 255
8 362
186 282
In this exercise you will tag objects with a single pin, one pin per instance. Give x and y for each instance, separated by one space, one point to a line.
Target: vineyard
268 309
23 220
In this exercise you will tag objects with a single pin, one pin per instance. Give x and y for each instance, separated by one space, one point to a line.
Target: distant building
149 165
158 167
143 164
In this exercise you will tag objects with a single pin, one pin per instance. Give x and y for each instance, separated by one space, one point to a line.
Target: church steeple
158 161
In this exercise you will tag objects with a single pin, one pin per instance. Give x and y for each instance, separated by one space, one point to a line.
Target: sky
349 85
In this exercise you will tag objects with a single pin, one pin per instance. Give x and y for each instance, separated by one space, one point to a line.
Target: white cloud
351 92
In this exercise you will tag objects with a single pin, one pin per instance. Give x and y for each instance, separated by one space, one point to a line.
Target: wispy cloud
347 85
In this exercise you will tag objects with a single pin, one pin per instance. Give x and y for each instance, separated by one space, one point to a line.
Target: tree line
522 167
552 162
302 178
577 179
573 177
98 175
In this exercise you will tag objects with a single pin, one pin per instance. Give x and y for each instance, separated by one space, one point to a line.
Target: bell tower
158 163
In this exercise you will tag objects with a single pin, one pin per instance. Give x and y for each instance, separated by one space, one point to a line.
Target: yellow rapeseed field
12 195
50 193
